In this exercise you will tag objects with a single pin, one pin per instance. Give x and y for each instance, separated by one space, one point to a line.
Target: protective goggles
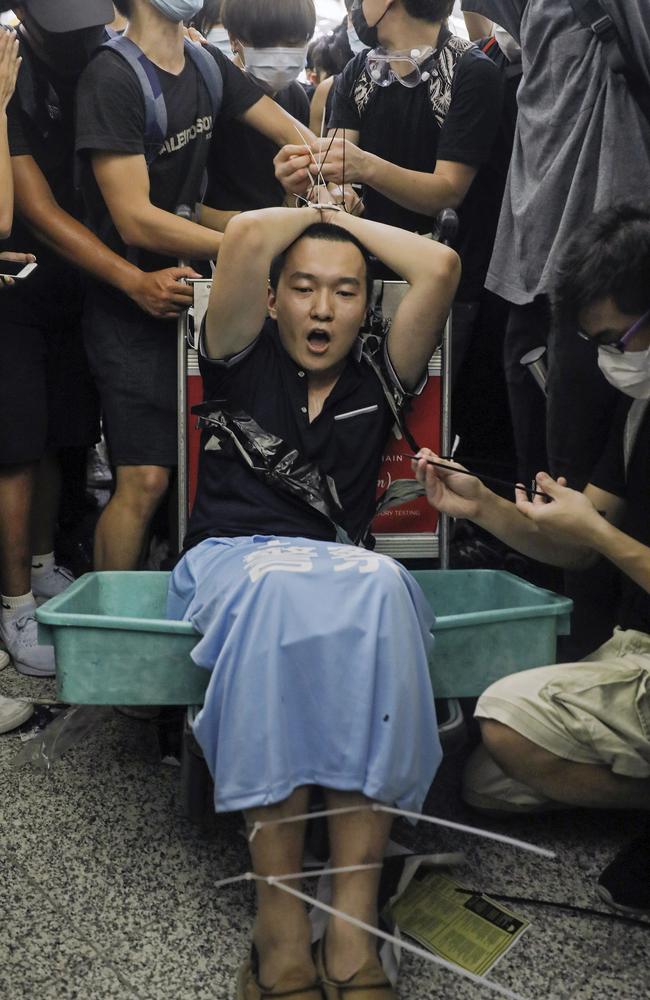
404 67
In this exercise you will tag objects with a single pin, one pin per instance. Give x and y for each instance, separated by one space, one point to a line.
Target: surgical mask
385 67
276 67
178 10
220 38
354 41
367 34
507 44
628 371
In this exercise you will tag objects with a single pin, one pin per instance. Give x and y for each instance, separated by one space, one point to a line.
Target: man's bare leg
591 786
355 839
16 493
122 529
282 932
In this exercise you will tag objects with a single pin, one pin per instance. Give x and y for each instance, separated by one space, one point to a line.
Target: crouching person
318 649
579 734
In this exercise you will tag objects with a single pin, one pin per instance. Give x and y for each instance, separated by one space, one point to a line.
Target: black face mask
367 34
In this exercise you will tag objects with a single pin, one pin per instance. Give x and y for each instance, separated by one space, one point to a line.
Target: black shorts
47 396
133 360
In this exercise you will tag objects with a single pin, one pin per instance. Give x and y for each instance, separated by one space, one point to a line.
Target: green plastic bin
114 645
489 624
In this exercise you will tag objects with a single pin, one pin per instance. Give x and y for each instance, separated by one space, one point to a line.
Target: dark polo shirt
268 385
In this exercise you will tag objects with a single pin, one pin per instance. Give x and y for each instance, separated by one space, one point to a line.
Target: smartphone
15 268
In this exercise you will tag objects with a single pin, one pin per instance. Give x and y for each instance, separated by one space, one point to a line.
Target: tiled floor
107 891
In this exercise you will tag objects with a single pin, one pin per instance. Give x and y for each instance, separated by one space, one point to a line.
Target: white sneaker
13 713
20 636
46 585
5 659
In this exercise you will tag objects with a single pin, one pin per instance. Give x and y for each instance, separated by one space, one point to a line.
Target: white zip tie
434 820
315 873
320 176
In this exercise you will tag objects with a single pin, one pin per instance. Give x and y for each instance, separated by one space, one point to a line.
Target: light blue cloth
318 655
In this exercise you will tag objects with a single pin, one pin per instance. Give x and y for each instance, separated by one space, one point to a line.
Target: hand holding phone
15 265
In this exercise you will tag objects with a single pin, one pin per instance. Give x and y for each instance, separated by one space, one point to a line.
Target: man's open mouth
318 341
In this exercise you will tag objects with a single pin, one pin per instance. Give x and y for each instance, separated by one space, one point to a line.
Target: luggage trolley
410 531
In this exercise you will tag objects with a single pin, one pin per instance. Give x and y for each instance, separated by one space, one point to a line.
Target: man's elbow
246 232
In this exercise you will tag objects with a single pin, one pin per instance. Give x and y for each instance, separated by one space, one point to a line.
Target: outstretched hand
164 294
563 514
450 492
9 66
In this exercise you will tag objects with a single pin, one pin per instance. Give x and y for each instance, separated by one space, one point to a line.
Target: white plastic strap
435 820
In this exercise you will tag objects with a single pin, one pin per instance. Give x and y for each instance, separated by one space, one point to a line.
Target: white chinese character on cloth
277 556
347 557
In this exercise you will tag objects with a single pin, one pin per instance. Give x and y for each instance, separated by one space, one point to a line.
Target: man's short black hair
265 23
609 257
323 231
208 16
330 53
429 10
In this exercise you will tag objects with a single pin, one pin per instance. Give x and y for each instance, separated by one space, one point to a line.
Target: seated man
579 734
318 650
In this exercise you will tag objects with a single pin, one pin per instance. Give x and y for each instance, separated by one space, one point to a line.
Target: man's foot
19 634
369 982
13 713
295 984
625 883
49 584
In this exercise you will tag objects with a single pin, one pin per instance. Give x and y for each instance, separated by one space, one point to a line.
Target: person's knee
519 757
142 487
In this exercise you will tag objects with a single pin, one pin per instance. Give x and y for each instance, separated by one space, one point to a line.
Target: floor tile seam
71 926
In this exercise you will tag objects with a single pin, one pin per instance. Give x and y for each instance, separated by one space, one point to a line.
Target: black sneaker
625 883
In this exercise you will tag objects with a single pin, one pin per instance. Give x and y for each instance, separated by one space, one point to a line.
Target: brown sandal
369 983
250 988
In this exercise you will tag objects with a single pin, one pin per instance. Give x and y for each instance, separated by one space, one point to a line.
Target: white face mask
354 41
177 10
276 67
628 371
220 38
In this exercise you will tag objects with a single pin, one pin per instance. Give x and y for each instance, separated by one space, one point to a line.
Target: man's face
320 303
604 323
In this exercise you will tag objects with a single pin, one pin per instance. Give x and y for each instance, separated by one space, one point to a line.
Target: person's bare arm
159 293
477 26
124 183
318 102
9 66
567 532
238 299
214 218
296 165
432 271
275 123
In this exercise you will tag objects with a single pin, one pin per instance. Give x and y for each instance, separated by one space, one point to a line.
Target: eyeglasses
385 67
617 346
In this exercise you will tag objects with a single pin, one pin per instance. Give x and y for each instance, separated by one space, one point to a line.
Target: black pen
480 476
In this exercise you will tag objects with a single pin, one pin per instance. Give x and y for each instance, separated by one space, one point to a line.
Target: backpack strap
155 110
209 72
593 15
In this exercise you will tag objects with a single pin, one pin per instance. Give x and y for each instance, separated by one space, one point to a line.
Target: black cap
70 15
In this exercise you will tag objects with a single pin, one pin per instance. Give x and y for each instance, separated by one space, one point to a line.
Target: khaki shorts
593 712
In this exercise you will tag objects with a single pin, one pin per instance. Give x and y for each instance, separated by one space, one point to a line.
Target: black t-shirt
240 165
634 487
268 385
111 118
40 124
452 116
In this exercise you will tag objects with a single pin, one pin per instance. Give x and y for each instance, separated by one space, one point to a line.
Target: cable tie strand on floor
435 820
